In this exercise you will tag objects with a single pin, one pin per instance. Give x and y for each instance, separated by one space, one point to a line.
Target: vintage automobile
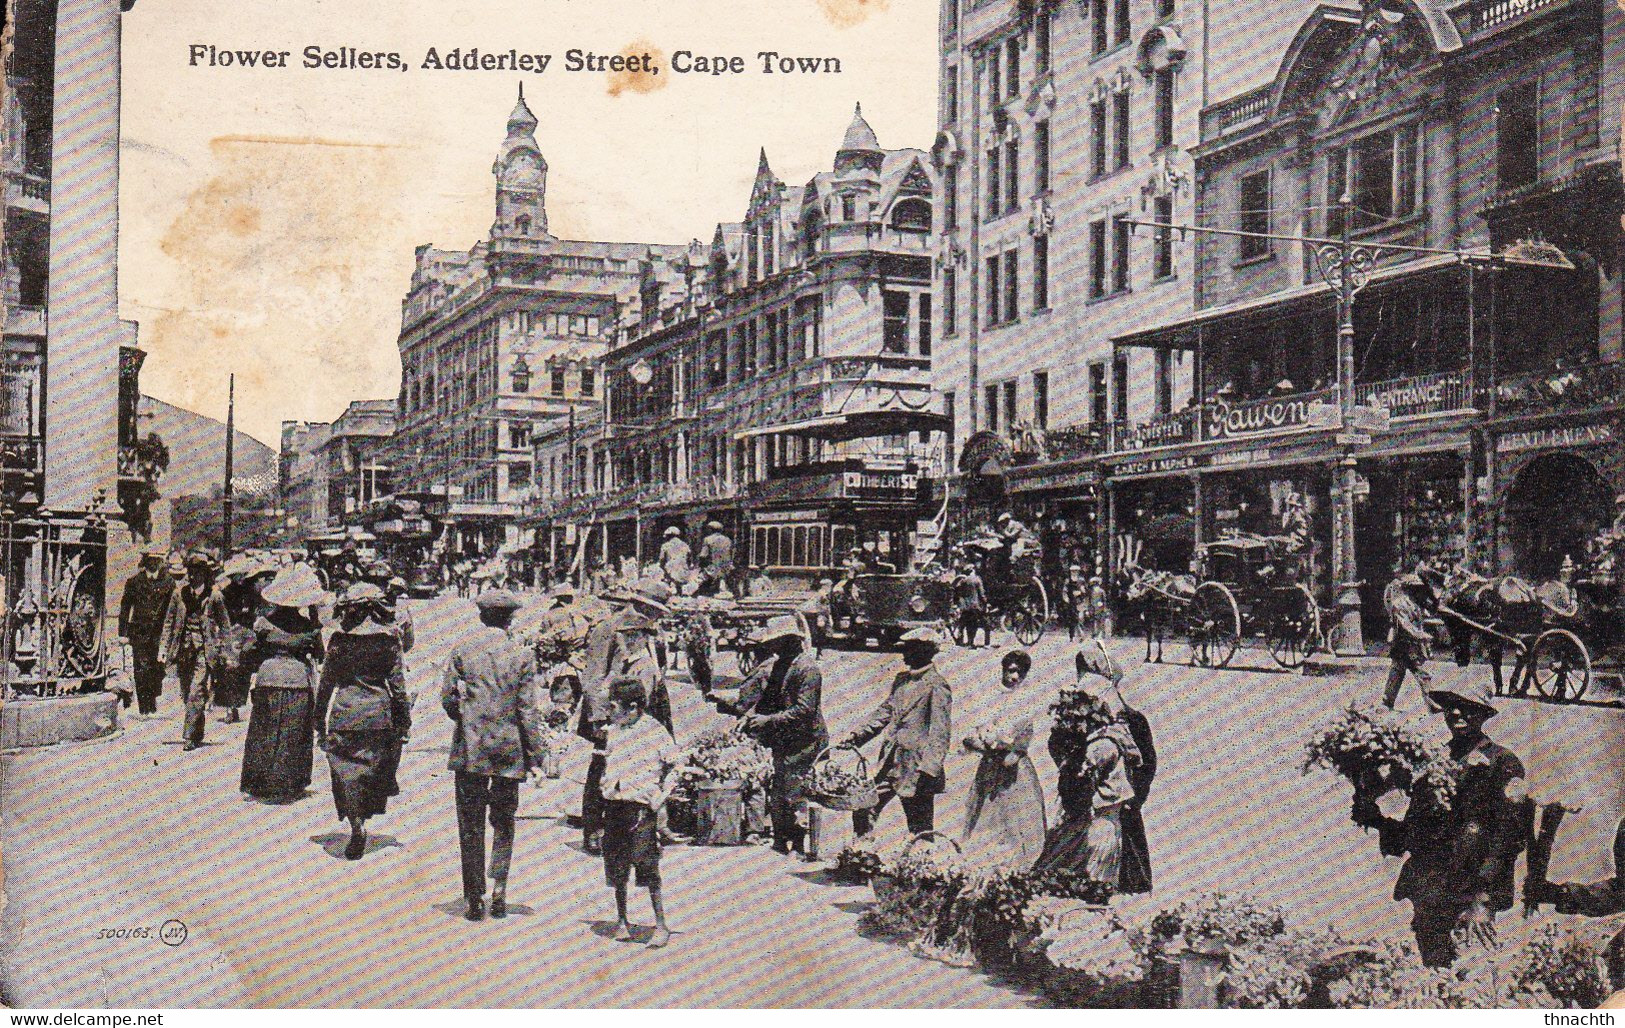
880 608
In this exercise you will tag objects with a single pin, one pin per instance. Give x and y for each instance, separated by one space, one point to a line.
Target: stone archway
1556 505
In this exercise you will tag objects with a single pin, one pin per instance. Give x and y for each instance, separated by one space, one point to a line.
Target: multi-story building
786 391
353 463
66 391
303 504
1061 124
1482 134
500 337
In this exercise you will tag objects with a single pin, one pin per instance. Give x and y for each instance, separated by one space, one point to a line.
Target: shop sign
775 516
1164 431
1220 460
1552 438
1156 465
1064 480
1275 414
881 481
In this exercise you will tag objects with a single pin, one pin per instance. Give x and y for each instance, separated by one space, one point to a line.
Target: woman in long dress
1094 754
1005 815
363 716
277 755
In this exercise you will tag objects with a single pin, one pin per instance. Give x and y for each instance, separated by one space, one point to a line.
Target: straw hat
296 586
779 626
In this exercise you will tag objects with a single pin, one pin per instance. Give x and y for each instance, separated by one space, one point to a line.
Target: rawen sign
1273 414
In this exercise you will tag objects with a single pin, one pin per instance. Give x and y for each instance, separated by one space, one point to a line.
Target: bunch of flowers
1393 978
1264 977
1567 964
839 786
1218 918
723 756
1379 750
1078 715
914 888
858 861
1096 960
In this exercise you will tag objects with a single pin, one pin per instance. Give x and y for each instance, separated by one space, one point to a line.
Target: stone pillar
82 364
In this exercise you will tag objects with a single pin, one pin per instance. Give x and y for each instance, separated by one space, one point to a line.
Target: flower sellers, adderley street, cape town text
457 59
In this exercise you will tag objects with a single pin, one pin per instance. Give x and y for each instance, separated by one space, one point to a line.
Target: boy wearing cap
916 722
142 613
1458 874
638 756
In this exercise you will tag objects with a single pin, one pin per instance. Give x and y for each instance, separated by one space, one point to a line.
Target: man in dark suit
788 718
916 721
489 691
141 616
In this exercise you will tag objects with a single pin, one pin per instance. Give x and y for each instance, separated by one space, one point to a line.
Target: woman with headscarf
362 714
1095 755
1098 672
277 755
1005 815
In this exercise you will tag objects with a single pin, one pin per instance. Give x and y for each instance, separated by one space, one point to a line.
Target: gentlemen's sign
1549 438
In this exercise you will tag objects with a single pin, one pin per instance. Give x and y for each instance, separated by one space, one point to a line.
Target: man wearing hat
1409 601
915 720
716 559
193 632
141 617
489 692
788 718
675 556
1074 601
1458 874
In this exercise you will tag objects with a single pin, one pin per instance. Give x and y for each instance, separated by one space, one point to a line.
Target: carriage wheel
1027 612
1293 631
1559 665
1213 625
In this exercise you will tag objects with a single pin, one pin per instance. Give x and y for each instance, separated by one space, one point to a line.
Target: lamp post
1346 268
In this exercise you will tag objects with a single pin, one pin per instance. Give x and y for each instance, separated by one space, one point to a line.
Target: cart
1546 627
1016 596
724 624
1249 588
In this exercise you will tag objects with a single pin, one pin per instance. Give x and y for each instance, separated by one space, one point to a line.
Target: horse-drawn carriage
1552 629
1016 596
1244 587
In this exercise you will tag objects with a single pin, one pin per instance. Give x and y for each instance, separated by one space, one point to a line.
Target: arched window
521 224
913 213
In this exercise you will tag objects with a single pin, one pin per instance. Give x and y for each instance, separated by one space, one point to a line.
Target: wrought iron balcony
1561 389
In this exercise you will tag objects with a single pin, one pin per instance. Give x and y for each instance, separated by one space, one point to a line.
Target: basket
930 899
864 798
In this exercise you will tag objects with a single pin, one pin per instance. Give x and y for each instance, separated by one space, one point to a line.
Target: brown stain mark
844 14
273 248
639 81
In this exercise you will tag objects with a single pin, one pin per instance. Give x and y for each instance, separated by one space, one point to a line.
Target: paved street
131 832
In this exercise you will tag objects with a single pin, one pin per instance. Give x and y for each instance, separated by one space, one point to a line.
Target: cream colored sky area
268 216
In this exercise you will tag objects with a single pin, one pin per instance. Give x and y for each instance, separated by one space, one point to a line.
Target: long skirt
1090 845
1005 814
364 766
277 754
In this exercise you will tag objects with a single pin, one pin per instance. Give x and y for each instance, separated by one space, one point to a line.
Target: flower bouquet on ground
1393 977
913 888
1381 751
841 784
1094 960
1217 920
857 862
1567 963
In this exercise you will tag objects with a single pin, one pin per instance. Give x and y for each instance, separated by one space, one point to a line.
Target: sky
268 216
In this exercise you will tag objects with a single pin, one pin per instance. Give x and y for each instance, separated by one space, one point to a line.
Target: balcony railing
1417 396
1168 430
1222 117
1489 14
1582 387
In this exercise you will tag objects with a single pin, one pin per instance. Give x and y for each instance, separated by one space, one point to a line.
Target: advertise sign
1156 466
1273 414
1549 438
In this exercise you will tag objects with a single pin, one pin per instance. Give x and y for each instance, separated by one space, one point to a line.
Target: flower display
1380 750
1216 918
1566 963
723 756
840 786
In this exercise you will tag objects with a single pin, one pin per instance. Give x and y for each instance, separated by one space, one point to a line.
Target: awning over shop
858 425
1180 334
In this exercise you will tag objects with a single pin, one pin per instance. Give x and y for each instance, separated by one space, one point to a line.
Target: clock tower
521 174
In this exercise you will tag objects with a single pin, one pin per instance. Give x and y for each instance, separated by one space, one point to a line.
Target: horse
1153 597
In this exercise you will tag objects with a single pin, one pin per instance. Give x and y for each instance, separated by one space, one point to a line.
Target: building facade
1484 136
784 391
1062 124
68 367
500 337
